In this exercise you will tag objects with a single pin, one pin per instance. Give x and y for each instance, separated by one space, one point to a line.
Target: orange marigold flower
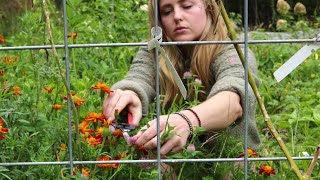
93 117
267 170
117 133
251 153
94 141
4 86
102 87
109 122
84 172
83 128
1 72
79 101
9 60
63 147
16 91
2 129
2 40
142 149
73 35
57 106
99 131
107 158
66 98
2 137
102 131
16 88
119 156
48 89
106 122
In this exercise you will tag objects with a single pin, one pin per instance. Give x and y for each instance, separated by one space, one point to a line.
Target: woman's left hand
147 136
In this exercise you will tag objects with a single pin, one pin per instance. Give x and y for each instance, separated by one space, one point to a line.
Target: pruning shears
124 122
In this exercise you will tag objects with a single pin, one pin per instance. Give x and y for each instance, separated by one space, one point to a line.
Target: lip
180 29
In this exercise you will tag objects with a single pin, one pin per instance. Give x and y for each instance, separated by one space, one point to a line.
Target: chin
182 39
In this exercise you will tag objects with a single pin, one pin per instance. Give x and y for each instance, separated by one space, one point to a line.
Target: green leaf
6 176
3 169
207 178
74 3
23 121
69 12
316 115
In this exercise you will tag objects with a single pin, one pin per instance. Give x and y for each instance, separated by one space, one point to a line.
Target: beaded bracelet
188 121
199 121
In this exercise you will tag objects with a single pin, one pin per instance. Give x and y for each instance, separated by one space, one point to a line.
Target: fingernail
112 128
133 139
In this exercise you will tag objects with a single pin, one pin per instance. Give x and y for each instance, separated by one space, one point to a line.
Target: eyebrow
168 4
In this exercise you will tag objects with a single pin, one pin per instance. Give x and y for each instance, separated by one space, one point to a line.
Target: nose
177 14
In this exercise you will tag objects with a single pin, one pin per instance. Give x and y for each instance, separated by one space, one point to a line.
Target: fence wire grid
71 163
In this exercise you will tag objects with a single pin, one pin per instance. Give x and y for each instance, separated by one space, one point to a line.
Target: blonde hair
202 55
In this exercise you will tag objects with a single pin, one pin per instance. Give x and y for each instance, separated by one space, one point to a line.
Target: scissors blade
295 61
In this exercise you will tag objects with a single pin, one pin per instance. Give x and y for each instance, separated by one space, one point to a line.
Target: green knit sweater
228 75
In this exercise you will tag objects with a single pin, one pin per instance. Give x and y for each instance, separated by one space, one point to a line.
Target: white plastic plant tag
304 153
155 43
295 61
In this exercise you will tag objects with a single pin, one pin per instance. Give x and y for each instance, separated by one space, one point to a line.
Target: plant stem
282 145
62 74
180 172
313 163
74 59
131 169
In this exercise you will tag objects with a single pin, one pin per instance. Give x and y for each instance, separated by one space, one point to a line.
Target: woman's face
183 20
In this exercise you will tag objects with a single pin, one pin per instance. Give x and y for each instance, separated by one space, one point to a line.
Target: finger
153 143
176 149
123 102
173 144
146 134
110 103
136 117
144 128
141 131
135 107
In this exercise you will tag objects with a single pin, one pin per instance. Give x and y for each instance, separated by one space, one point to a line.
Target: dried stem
62 73
282 145
313 163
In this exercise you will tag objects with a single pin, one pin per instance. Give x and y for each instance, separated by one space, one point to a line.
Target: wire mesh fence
66 47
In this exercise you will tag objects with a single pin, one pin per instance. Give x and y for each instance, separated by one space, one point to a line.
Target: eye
187 6
165 12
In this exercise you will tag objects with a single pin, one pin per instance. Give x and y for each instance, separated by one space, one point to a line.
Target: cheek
201 21
165 24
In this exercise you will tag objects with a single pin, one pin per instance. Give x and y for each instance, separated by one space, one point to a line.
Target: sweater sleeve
228 72
140 78
229 75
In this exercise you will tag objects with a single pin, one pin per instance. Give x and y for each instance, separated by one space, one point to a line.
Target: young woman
217 65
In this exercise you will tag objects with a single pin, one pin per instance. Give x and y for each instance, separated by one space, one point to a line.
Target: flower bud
191 148
299 8
281 24
283 7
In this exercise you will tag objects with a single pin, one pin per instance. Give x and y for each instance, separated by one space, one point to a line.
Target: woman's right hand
121 99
